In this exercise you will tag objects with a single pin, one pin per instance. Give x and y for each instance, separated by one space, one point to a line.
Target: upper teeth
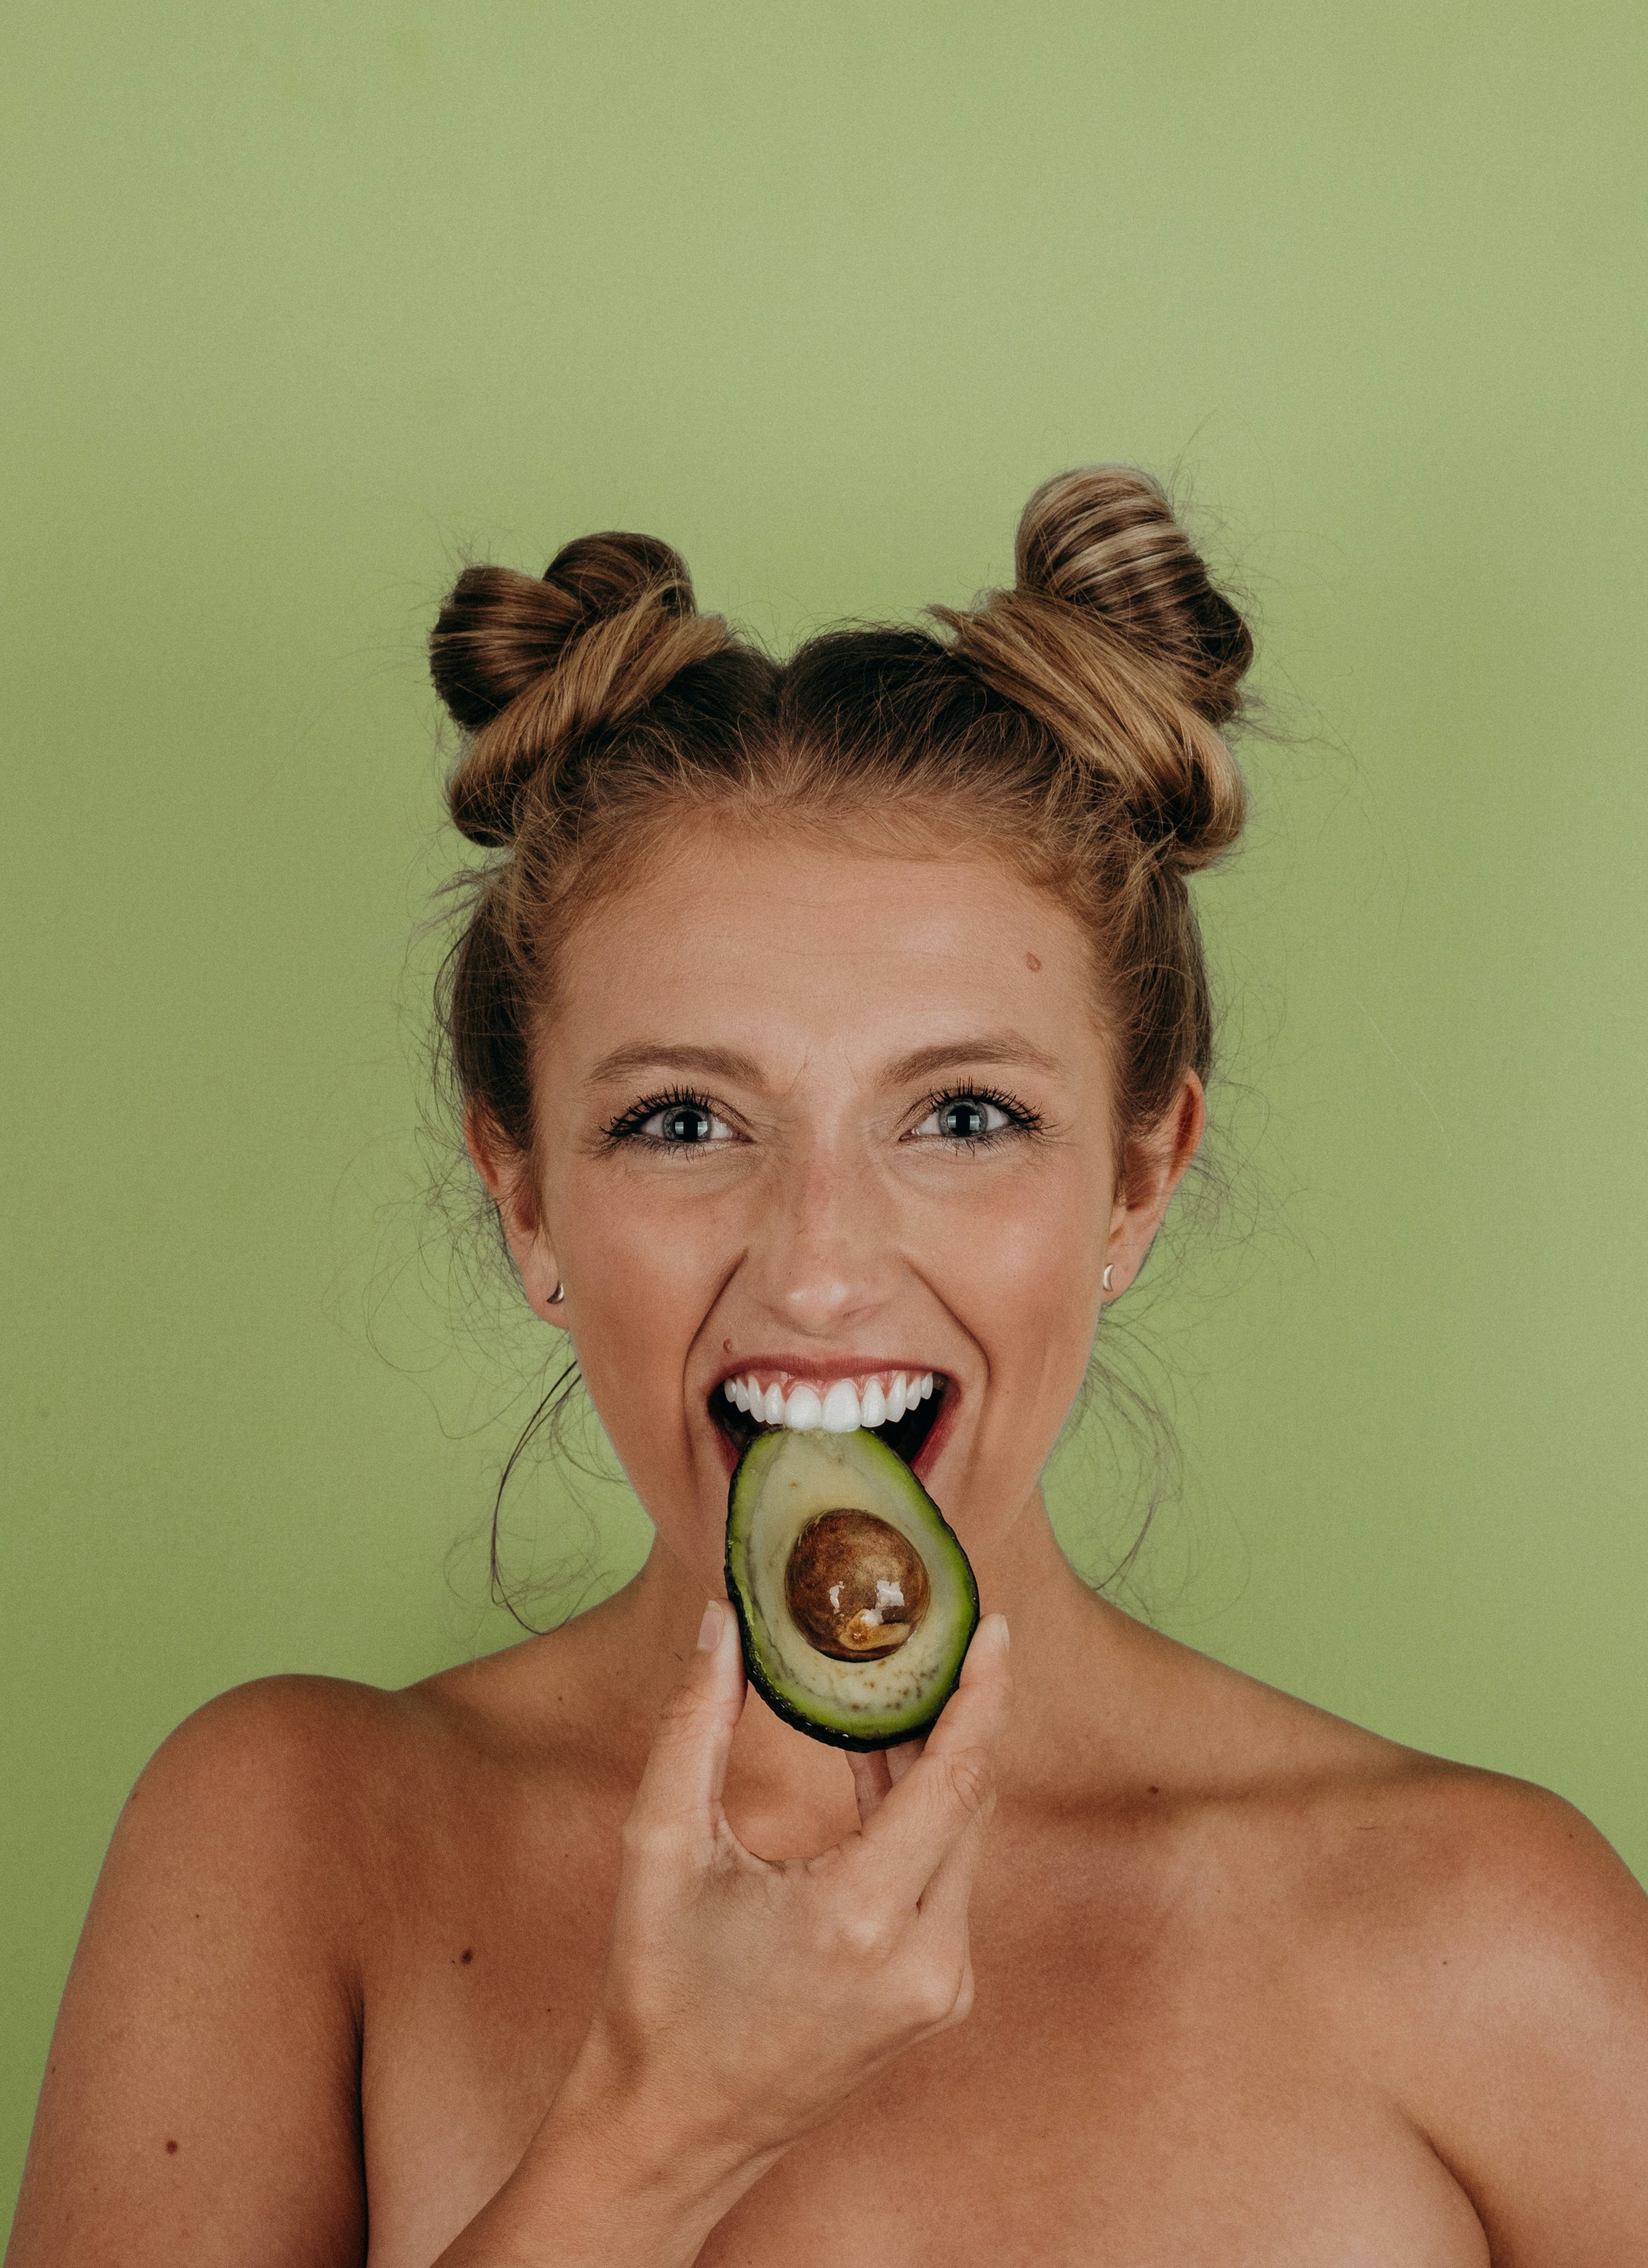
841 1407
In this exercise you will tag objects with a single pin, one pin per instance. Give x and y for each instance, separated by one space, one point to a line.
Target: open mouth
903 1406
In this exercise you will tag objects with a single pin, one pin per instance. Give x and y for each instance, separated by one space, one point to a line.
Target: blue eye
684 1123
965 1121
970 1117
671 1122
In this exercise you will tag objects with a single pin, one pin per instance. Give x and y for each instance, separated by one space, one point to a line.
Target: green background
309 301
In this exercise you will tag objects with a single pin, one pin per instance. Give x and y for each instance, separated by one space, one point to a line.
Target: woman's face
808 1116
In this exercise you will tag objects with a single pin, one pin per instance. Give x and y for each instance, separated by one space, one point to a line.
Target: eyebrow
665 1054
986 1048
903 1071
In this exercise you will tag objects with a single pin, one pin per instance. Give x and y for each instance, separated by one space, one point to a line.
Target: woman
836 1021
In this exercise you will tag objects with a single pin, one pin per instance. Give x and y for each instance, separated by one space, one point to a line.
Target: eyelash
1023 1120
627 1127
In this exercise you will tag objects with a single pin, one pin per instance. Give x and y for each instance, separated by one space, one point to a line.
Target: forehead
795 938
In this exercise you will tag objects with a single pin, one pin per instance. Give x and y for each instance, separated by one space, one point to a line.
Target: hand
744 1999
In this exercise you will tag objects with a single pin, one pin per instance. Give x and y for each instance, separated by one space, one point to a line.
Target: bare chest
1129 2087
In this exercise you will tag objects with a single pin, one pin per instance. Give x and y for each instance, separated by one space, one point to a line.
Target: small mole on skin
170 2149
1032 964
468 1954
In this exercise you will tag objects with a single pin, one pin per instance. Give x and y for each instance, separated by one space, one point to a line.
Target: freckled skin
1253 1986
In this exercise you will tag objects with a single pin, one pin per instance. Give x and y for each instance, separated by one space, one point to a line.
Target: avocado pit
855 1585
809 1513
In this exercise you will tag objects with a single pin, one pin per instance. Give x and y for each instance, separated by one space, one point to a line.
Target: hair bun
1116 639
499 630
530 666
1104 539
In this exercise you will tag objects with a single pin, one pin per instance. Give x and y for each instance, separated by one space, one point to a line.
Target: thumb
681 1786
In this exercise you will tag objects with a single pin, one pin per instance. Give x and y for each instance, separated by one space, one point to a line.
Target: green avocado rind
891 1487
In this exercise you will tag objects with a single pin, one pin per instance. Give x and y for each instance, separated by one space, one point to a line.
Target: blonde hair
1076 725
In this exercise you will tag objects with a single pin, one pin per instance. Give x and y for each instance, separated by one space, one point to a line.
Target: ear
1151 1169
507 1173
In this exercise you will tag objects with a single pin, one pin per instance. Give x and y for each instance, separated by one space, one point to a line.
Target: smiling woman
831 1037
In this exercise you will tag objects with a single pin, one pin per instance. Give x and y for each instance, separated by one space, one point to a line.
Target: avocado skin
833 1735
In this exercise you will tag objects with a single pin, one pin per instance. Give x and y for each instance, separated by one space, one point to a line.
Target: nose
820 1257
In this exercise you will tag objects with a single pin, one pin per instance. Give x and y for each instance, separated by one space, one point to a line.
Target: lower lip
728 1452
937 1434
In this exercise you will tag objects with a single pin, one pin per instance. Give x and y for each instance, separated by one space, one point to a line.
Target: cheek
1021 1263
645 1274
1021 1272
636 1241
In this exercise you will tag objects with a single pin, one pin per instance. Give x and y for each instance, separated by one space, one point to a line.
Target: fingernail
710 1628
1006 1635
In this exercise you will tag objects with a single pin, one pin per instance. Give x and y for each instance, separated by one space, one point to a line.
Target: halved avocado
855 1601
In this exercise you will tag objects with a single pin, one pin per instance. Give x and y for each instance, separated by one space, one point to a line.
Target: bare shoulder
1383 1841
341 1758
1496 1950
279 1742
292 1791
273 1798
1469 1864
1483 1946
211 2033
1439 1855
1371 1822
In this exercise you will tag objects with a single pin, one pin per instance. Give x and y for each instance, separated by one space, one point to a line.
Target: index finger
878 1771
686 1768
907 1836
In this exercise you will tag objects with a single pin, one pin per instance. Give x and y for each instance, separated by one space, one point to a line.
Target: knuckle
681 1712
930 1999
969 1779
858 1934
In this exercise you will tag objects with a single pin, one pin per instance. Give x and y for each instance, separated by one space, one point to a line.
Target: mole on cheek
170 2149
1032 964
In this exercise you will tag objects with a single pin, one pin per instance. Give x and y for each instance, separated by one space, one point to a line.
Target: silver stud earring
1105 1278
557 1295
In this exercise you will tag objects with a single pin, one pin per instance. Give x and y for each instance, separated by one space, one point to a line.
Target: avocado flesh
785 1491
